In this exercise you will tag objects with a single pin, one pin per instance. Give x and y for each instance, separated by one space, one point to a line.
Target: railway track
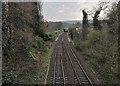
65 64
58 69
81 75
85 74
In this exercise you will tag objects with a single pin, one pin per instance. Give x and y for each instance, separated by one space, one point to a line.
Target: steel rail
54 69
77 77
58 52
63 74
81 67
62 67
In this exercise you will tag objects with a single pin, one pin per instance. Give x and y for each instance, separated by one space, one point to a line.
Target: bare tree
96 22
84 24
113 19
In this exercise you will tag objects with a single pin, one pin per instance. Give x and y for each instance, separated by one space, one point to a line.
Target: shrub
39 42
101 52
29 50
10 77
95 37
48 36
71 30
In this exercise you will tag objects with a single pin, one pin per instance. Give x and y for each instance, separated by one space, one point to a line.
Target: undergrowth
99 51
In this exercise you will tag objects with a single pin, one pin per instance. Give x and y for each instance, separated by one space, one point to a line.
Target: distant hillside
52 26
70 22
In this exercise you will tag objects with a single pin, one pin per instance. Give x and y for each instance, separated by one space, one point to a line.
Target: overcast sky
57 10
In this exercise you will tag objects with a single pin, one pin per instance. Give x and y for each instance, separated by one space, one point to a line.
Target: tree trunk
84 25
